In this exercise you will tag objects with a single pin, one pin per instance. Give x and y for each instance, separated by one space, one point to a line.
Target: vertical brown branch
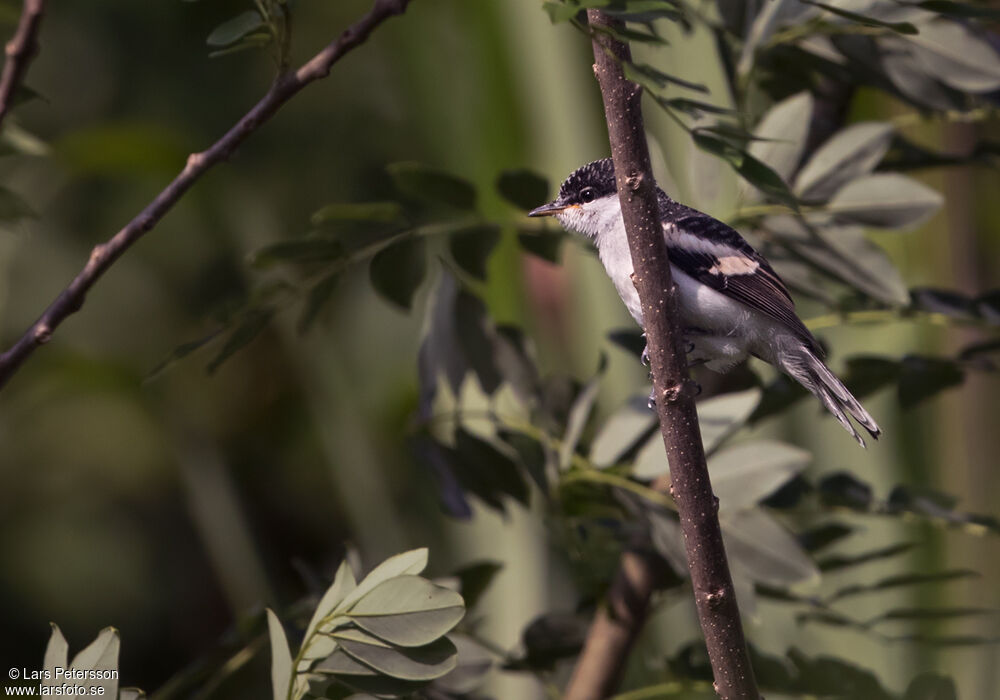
20 50
615 628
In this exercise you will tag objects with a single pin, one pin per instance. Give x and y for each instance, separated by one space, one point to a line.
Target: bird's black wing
716 255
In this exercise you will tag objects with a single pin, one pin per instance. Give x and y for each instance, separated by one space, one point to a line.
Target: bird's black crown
598 176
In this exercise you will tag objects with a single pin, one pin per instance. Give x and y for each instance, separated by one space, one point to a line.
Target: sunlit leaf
405 563
621 431
744 474
958 56
848 154
765 549
752 170
408 611
343 584
281 658
722 415
884 200
412 664
782 134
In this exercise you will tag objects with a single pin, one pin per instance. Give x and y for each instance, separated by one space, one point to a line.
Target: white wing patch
734 265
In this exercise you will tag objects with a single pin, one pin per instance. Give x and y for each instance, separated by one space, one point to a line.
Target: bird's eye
587 194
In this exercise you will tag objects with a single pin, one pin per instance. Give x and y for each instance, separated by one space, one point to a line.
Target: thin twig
616 626
105 254
20 50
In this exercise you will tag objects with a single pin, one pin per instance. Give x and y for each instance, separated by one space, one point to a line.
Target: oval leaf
884 200
721 416
782 134
744 474
432 185
404 564
409 611
957 56
849 153
343 584
418 664
397 271
765 549
281 658
232 30
620 432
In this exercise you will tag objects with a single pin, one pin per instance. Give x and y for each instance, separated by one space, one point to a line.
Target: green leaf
310 249
765 549
432 185
542 244
721 416
250 41
848 154
958 56
931 686
695 108
746 473
375 212
343 584
899 62
317 298
488 472
579 412
397 271
232 30
417 664
911 614
474 662
903 581
13 207
339 662
749 168
621 432
884 200
471 247
408 611
960 9
837 562
253 323
523 188
653 78
844 490
781 134
408 563
281 658
898 27
845 253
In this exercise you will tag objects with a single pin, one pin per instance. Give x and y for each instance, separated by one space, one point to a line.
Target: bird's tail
809 371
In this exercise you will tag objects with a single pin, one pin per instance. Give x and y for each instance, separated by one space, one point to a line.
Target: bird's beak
550 209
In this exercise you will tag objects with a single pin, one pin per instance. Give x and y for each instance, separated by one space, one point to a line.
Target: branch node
97 253
686 388
715 598
42 333
634 181
195 161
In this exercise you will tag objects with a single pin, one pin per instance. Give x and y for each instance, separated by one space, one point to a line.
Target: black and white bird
732 303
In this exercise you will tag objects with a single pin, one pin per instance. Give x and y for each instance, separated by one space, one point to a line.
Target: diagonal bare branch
71 299
20 50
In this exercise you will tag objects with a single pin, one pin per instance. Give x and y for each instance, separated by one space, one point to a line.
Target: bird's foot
644 357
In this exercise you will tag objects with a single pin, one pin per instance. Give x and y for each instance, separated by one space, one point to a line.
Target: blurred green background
171 508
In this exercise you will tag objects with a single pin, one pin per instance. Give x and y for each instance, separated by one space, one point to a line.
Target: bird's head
587 201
